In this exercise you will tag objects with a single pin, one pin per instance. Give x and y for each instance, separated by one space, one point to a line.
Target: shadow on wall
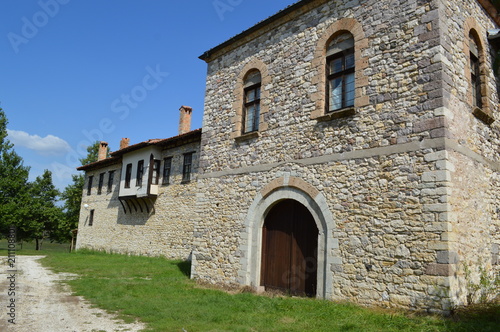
135 215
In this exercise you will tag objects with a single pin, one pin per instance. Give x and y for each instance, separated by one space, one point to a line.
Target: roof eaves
156 141
491 10
208 54
99 164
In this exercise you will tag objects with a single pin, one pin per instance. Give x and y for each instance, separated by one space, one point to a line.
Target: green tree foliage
43 217
13 182
72 194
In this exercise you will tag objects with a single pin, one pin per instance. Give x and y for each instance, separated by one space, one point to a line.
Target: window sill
483 115
345 112
247 136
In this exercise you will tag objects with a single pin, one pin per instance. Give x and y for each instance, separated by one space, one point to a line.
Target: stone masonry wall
386 222
385 172
401 86
474 157
166 231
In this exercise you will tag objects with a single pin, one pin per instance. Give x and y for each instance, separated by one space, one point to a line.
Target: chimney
103 151
185 119
124 143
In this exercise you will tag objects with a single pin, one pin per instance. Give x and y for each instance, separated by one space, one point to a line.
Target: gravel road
44 304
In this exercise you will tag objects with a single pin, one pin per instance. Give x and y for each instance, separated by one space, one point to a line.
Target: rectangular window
252 109
91 217
156 172
140 173
101 183
167 167
187 167
341 80
89 185
475 81
128 175
111 178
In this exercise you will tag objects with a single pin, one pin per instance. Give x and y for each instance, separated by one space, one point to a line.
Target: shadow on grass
185 268
484 316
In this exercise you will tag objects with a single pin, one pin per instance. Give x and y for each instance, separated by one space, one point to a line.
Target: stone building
349 152
139 201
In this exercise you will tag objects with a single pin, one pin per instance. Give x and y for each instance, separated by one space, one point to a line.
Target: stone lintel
447 257
293 182
437 269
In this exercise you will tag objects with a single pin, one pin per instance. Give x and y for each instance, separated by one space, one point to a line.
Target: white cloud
47 146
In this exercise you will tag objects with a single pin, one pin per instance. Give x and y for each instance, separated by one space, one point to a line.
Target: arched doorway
290 249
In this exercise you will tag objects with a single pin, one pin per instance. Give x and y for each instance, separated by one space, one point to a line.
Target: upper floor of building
324 77
137 174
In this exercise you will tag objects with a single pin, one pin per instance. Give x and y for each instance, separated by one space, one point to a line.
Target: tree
72 194
13 182
42 215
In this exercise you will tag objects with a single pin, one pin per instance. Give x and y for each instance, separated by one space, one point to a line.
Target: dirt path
43 304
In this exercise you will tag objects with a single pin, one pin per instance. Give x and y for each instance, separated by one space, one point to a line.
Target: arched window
251 101
340 72
475 72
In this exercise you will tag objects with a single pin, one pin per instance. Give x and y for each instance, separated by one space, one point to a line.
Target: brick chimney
124 143
185 119
103 151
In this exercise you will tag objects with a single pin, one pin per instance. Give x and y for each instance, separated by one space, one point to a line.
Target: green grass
160 294
28 248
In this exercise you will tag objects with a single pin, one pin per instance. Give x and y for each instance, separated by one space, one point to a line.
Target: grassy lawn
28 248
159 293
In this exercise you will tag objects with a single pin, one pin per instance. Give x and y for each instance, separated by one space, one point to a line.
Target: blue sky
76 71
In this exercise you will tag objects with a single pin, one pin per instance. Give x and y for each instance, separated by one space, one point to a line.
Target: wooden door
289 253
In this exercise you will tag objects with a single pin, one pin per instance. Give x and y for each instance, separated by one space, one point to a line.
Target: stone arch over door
288 188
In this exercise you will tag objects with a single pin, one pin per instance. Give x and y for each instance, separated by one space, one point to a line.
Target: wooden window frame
247 105
155 171
91 217
128 175
101 183
478 91
342 75
111 178
187 167
89 185
139 173
167 170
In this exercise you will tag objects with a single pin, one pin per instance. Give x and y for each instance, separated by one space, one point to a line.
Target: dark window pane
128 175
156 172
186 169
111 178
250 96
101 183
140 173
336 66
341 79
336 94
91 217
349 61
349 90
166 170
89 185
